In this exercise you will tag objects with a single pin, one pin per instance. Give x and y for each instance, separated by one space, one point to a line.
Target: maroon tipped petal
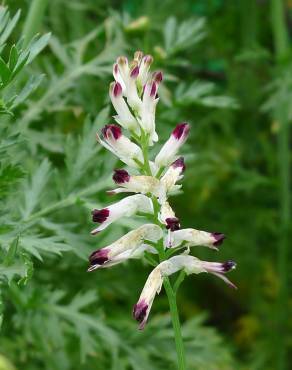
228 265
148 59
181 130
116 68
172 223
111 130
157 76
180 162
140 312
135 72
153 90
99 257
219 238
117 90
121 176
100 215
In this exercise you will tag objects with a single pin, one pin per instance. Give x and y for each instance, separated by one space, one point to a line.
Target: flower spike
134 96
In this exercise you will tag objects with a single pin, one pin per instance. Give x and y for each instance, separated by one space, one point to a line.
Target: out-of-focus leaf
33 189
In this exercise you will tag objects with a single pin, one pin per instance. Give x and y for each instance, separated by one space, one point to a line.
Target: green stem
144 146
170 291
176 324
281 50
34 19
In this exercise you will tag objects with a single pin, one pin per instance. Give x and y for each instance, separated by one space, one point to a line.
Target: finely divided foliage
48 182
134 95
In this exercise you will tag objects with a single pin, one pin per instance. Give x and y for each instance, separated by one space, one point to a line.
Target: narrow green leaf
5 73
13 57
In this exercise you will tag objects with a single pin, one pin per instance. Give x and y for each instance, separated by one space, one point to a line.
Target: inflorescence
134 95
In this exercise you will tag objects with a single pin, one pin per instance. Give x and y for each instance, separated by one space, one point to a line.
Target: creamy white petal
124 208
169 150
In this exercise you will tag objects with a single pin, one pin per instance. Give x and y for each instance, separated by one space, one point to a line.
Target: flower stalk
134 96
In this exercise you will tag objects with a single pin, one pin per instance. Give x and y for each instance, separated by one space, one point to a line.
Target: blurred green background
228 71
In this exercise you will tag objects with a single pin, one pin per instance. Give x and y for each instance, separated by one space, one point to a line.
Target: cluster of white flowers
134 95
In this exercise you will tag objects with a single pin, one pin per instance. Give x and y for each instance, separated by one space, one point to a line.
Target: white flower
125 247
189 264
126 76
125 118
152 287
193 237
144 69
136 184
193 265
149 103
124 208
169 150
173 174
120 145
167 217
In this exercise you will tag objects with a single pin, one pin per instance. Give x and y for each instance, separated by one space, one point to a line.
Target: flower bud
120 145
193 237
157 77
152 286
138 55
118 77
170 148
116 252
137 184
124 116
173 174
145 64
124 208
167 216
148 110
189 264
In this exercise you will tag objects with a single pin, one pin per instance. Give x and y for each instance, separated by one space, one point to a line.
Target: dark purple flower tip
134 72
153 89
121 176
99 257
117 89
172 223
157 76
181 131
148 59
100 215
140 312
228 265
111 130
219 238
180 162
